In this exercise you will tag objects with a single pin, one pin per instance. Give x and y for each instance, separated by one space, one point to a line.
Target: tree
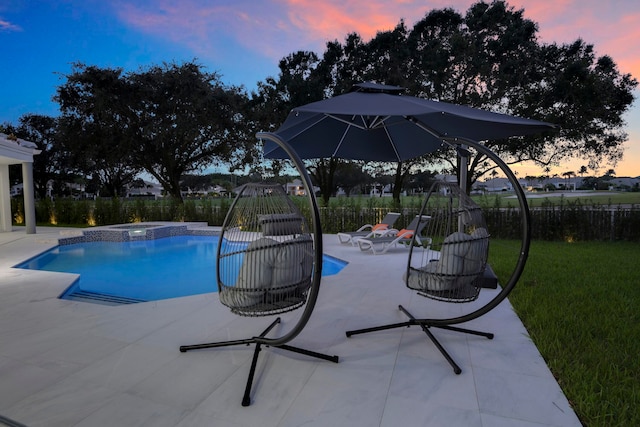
186 119
168 120
96 126
586 96
350 175
421 180
322 173
298 83
491 58
196 183
568 175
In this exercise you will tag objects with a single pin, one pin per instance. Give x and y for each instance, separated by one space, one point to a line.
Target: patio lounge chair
369 230
380 245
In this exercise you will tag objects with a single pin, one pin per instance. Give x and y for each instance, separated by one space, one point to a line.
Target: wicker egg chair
449 268
452 266
269 261
265 253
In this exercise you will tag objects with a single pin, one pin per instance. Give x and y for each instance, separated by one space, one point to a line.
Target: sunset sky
243 40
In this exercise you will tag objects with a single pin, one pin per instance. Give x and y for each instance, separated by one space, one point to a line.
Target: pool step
98 298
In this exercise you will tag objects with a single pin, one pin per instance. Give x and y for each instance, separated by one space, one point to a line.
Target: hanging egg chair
451 265
265 253
269 261
456 257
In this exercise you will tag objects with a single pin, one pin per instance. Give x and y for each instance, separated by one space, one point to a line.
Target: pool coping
137 231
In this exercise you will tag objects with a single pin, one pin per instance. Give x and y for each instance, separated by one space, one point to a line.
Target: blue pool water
142 270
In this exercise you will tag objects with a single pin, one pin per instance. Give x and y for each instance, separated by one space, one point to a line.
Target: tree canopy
167 120
95 126
186 120
173 120
488 58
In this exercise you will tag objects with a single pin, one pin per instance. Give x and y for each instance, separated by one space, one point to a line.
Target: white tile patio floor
65 363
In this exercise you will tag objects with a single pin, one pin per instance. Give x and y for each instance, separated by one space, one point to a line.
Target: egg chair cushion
291 273
254 276
272 272
462 259
280 224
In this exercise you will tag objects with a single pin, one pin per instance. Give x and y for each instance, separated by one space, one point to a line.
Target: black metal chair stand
453 266
268 262
246 399
449 267
425 324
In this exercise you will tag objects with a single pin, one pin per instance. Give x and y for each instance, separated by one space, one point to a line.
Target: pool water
141 270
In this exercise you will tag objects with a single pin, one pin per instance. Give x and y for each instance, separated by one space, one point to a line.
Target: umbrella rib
393 144
379 121
308 127
344 135
424 127
350 123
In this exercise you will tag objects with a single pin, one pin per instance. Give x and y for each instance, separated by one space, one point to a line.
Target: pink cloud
275 28
8 26
196 25
278 27
334 20
612 28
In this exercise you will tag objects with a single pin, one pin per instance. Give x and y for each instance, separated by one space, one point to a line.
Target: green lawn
534 199
580 303
584 198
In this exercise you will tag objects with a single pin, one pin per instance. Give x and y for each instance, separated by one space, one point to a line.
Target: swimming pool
141 270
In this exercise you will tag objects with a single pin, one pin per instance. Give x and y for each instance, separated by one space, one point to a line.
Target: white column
5 199
29 199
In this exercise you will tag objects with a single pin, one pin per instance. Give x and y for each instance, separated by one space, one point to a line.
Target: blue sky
47 37
243 40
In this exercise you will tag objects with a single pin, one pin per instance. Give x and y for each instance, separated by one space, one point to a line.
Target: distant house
497 184
379 190
624 183
295 188
150 189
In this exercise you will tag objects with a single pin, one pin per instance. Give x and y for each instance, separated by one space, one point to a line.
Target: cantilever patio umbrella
377 123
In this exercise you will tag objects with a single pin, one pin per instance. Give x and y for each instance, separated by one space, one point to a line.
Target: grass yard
580 303
586 198
506 199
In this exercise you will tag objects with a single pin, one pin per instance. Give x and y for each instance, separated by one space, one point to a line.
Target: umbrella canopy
376 122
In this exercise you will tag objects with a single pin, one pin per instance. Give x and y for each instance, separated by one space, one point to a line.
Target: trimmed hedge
566 222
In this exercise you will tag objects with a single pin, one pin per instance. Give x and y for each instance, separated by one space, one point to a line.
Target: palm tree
493 174
582 171
529 178
568 175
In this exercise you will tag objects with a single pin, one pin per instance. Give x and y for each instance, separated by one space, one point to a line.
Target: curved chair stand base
425 324
258 341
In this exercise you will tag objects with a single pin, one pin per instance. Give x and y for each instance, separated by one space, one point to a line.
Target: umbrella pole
463 153
464 167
